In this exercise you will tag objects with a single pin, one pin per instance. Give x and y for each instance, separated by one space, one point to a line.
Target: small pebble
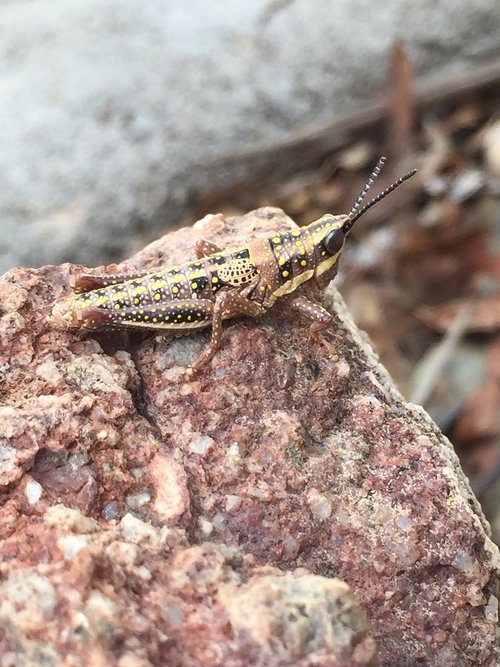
206 526
110 511
33 492
202 445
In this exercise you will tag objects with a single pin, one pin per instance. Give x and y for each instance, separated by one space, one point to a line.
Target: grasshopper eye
334 241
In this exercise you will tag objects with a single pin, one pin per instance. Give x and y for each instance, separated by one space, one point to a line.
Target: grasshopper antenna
368 185
355 213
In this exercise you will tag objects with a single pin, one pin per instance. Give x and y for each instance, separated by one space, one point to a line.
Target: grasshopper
221 283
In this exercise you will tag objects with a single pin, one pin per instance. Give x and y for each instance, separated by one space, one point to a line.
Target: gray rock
114 111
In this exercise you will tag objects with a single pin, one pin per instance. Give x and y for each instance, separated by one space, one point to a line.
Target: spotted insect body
220 284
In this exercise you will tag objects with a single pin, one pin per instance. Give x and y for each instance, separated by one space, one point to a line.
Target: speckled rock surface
150 520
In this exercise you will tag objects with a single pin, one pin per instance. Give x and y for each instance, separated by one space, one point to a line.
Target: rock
297 617
284 507
114 112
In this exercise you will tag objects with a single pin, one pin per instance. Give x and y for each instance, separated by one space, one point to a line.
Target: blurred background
120 120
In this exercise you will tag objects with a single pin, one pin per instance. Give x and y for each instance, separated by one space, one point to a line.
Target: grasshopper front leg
321 318
227 304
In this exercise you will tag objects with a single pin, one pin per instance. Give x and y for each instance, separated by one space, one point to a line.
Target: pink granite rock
152 520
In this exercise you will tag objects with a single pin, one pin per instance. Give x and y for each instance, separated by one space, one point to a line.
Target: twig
431 366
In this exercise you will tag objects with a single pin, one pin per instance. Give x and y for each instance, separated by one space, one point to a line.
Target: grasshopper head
330 232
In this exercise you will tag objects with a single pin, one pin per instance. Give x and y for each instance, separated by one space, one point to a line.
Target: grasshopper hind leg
175 316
